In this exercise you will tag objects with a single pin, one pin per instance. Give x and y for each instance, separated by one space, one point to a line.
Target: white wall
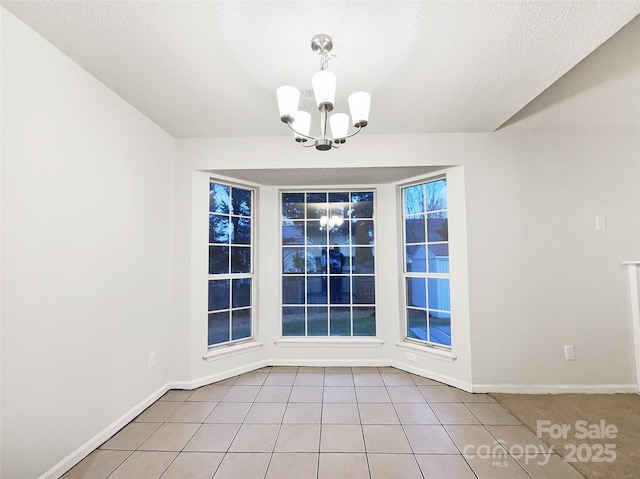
539 275
86 254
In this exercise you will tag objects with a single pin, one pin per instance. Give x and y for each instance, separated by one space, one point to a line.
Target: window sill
231 350
350 342
428 352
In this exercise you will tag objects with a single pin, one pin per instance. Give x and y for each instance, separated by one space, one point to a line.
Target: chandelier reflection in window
331 222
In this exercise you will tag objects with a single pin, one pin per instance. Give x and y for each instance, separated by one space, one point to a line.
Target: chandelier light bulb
339 125
359 105
324 89
288 99
301 125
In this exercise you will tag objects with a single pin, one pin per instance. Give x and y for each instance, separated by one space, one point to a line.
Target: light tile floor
324 423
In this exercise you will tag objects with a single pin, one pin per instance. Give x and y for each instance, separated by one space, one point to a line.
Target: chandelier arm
314 138
352 134
301 134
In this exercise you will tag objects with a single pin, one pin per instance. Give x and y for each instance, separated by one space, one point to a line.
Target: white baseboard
328 363
88 447
457 383
555 388
220 376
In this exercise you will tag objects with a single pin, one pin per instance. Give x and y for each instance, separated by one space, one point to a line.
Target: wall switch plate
152 360
569 352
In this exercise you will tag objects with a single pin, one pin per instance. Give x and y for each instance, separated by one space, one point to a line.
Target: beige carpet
619 410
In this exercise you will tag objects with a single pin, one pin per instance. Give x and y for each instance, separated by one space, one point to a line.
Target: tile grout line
116 468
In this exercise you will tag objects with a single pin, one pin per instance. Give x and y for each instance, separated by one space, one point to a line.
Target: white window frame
231 276
426 275
351 339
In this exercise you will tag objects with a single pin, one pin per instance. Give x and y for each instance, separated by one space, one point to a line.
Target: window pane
293 206
426 246
293 290
316 205
414 200
317 290
362 204
218 327
439 294
218 259
316 260
241 201
240 259
241 324
363 260
439 258
218 229
339 234
339 286
437 195
362 231
337 260
218 294
364 291
316 234
317 321
230 249
241 292
414 229
324 269
364 321
417 324
340 322
241 231
293 260
416 259
437 227
292 321
416 292
218 198
338 204
440 328
293 232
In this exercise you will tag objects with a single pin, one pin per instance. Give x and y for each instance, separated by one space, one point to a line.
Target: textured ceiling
207 69
602 92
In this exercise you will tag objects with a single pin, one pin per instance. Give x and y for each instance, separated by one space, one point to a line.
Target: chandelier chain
324 60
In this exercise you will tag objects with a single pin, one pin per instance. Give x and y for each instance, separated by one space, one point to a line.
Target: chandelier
324 90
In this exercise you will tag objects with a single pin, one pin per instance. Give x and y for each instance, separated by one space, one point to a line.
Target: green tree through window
230 264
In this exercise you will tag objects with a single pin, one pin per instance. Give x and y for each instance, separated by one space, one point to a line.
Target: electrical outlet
569 352
412 357
152 360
